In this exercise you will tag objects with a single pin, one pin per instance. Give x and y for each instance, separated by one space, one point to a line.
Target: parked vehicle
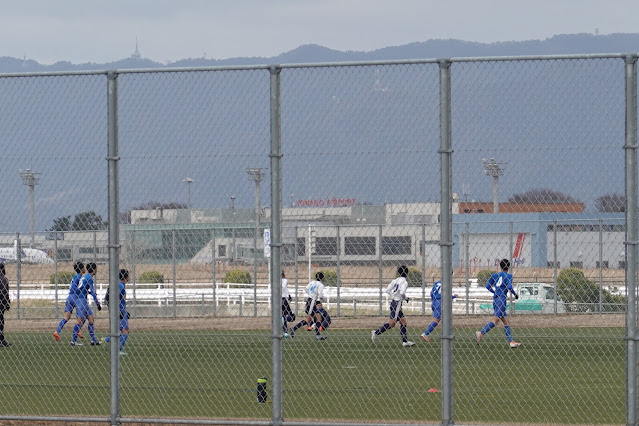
534 298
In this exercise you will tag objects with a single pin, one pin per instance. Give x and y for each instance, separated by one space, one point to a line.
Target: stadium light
494 169
31 179
255 174
188 181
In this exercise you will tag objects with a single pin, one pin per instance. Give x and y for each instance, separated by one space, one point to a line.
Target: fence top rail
325 64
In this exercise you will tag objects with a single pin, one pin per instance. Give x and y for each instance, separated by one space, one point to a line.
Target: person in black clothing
5 303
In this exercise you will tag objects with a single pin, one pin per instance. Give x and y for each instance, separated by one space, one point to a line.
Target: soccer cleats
478 336
95 343
514 344
286 335
320 337
373 336
407 344
56 336
425 337
76 344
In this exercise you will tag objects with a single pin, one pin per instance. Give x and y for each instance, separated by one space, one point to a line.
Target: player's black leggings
1 326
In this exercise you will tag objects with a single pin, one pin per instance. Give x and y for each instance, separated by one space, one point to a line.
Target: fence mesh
538 178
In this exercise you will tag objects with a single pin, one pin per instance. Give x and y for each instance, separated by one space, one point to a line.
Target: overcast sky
167 30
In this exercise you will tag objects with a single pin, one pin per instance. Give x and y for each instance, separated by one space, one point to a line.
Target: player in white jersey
397 291
314 291
287 313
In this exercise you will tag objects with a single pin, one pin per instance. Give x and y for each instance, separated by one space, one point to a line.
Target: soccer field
558 376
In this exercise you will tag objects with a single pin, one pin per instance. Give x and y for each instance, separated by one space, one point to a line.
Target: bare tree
542 195
611 203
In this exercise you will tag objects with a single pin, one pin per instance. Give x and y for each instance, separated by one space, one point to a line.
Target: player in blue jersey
69 305
82 309
436 306
500 283
124 315
315 291
287 312
397 291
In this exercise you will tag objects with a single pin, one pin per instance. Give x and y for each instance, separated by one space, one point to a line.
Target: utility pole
31 179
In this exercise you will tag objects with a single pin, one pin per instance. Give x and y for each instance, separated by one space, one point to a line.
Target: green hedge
330 277
483 276
151 277
64 277
238 276
414 277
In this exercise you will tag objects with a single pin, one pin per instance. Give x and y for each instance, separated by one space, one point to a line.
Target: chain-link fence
189 192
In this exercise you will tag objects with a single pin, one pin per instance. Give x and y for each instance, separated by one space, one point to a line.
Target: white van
534 298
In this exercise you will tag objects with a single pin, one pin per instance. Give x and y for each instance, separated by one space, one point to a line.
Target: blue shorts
82 309
310 310
124 321
499 308
437 309
396 310
69 305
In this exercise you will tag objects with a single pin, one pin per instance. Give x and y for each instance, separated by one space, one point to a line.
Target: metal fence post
423 247
339 280
554 262
446 242
55 272
467 256
113 244
18 273
276 244
174 273
380 268
511 305
95 247
213 264
134 279
600 265
630 149
296 270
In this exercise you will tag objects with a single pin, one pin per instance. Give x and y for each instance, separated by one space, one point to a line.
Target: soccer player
397 290
5 304
315 291
503 283
124 315
287 312
436 306
82 309
69 305
323 318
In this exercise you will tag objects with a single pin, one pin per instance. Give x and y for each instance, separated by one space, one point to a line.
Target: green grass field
558 376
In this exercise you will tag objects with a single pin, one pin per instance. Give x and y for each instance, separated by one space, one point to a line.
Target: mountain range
557 45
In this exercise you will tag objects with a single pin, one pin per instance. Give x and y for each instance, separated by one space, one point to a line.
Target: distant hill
559 44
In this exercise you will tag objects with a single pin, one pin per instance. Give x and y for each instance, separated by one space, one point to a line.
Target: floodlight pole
233 229
492 168
188 181
31 179
255 174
